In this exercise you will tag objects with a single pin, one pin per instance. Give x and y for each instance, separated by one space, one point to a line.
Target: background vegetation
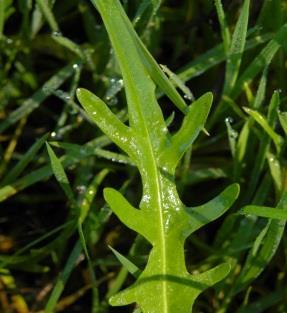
49 48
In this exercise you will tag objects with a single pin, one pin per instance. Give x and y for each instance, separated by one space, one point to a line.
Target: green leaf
161 218
135 44
192 124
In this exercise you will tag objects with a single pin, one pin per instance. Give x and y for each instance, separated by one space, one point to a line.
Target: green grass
62 248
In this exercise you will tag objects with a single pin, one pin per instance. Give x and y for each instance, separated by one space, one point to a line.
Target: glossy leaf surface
165 285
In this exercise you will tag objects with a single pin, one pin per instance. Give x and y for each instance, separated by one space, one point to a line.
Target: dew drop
229 120
188 97
81 189
57 34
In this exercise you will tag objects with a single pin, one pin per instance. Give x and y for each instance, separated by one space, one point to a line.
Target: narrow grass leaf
24 161
236 48
256 262
60 174
48 14
265 212
232 137
126 263
213 57
261 91
276 172
38 97
63 278
262 121
262 60
265 302
283 121
70 45
225 34
2 17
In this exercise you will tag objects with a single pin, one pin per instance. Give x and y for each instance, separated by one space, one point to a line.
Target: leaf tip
108 193
235 190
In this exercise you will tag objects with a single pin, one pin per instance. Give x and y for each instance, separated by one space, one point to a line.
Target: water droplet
81 189
91 192
9 41
76 66
115 86
53 134
57 34
188 97
83 151
229 120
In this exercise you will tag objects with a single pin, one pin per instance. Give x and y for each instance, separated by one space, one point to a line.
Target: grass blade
38 97
48 14
60 174
262 60
24 162
63 278
225 34
236 49
126 263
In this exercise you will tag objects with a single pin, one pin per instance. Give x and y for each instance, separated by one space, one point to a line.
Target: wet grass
51 261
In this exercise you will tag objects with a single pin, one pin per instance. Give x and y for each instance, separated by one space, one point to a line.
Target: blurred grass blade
90 194
60 174
273 21
264 145
265 302
2 17
225 34
262 60
267 212
48 14
276 172
236 49
46 171
63 278
213 57
178 83
283 121
232 137
264 248
38 97
126 263
24 161
261 91
69 44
